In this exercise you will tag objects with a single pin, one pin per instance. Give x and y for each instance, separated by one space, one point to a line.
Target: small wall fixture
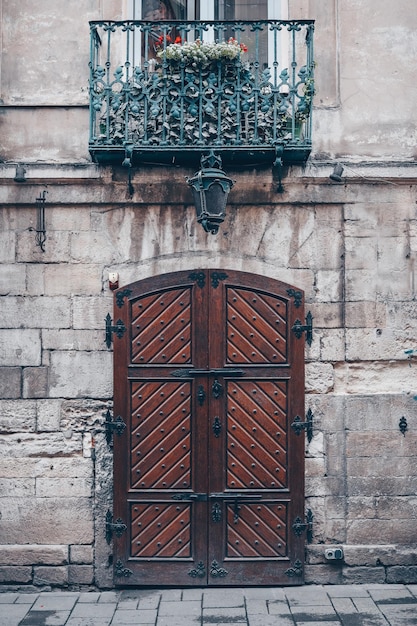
40 229
336 175
20 177
210 187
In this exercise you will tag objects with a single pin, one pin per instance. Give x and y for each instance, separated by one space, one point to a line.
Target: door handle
216 512
220 371
193 497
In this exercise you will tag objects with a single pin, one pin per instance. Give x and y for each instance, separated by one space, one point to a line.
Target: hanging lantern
210 187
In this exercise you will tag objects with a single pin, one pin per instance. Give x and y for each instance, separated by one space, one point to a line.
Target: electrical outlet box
334 554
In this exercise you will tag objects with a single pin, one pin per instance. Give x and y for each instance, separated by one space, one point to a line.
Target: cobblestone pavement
350 605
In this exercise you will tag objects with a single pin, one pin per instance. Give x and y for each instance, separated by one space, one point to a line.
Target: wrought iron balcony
167 92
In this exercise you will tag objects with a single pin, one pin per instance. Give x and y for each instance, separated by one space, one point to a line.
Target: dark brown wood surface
208 476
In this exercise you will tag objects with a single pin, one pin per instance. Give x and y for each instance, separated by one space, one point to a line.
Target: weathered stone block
373 555
17 416
56 249
362 507
68 339
378 412
20 488
35 382
328 285
40 312
10 382
81 555
381 486
64 279
81 374
48 415
374 344
361 253
78 415
20 347
314 467
17 574
363 575
319 377
39 445
328 411
80 574
332 345
59 520
326 315
386 378
51 467
361 285
90 312
64 487
323 575
7 246
405 575
12 280
365 315
94 247
369 467
33 555
50 575
380 446
386 531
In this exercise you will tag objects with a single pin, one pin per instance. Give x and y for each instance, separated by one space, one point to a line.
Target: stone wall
351 247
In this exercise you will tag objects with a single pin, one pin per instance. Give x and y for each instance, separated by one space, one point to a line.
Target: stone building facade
350 246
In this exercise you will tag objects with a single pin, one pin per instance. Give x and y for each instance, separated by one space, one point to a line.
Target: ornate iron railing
162 92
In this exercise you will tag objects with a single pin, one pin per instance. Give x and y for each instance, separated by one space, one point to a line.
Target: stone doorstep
58 618
54 603
192 607
122 617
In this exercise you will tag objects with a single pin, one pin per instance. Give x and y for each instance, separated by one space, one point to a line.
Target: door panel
208 475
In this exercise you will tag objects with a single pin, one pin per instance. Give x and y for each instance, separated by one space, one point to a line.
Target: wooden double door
208 473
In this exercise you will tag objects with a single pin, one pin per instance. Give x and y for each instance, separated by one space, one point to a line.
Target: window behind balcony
261 46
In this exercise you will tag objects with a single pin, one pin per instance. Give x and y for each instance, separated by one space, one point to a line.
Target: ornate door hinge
298 426
216 277
216 571
113 426
118 527
299 526
306 328
199 571
297 295
119 328
121 295
295 570
199 278
121 571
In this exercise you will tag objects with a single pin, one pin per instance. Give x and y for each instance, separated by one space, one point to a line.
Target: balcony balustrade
168 92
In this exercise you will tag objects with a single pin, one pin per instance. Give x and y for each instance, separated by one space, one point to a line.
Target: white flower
202 53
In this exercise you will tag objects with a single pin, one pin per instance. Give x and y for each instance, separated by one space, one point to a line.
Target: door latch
193 497
220 371
299 526
118 527
298 426
216 512
299 328
113 426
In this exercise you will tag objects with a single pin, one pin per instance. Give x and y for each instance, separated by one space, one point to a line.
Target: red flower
178 40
